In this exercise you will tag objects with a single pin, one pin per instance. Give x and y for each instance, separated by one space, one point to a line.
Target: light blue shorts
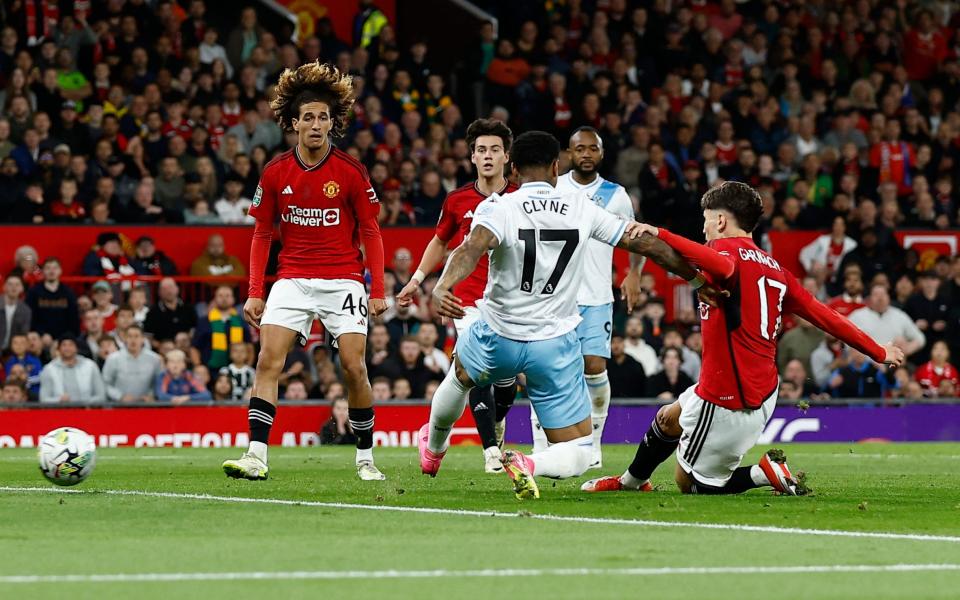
596 329
554 370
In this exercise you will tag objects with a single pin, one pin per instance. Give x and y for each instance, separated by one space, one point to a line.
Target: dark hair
313 82
50 260
738 199
482 127
534 149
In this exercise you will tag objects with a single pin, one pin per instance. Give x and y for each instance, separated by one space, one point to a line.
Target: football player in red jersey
715 422
489 141
327 208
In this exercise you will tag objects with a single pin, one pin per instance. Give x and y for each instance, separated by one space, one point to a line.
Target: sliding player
489 141
714 423
529 315
326 207
595 299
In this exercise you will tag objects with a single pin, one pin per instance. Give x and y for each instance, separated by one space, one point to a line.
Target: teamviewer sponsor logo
311 217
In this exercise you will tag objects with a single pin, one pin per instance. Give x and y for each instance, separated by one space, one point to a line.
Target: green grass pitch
180 545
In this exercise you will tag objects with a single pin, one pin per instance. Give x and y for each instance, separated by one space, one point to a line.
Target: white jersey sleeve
493 214
598 279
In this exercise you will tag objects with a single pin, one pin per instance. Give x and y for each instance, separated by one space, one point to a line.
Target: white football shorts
340 304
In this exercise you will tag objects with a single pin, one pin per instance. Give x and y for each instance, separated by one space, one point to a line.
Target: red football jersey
739 368
929 375
456 218
324 210
846 304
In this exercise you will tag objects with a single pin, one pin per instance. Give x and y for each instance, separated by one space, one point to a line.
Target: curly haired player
327 208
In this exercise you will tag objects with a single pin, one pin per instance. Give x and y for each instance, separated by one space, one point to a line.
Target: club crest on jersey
331 189
704 311
258 196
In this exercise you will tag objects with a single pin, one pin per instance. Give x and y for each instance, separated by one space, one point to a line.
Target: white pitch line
444 573
917 537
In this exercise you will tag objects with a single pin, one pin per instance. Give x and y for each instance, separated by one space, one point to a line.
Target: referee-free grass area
187 536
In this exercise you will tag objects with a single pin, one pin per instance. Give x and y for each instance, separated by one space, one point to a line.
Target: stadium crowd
844 116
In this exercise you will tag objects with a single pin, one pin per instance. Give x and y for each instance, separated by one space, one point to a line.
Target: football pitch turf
161 523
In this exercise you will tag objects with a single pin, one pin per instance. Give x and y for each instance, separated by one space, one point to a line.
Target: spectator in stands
170 315
13 392
169 185
796 373
433 358
16 313
71 377
381 388
20 355
222 328
176 385
378 351
108 345
852 297
130 374
295 390
798 344
88 343
930 311
240 371
409 364
822 257
233 207
107 259
860 378
627 377
671 381
215 262
690 363
337 430
222 389
401 389
638 349
52 304
102 294
27 266
137 301
886 324
933 374
147 260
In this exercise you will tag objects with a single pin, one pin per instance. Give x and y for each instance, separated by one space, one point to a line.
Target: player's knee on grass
668 419
684 480
594 365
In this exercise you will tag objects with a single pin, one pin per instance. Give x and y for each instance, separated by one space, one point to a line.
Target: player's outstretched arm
461 263
432 255
801 302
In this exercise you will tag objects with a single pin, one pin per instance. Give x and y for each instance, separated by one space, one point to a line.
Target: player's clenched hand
378 306
635 230
630 290
895 355
447 304
408 293
253 311
712 295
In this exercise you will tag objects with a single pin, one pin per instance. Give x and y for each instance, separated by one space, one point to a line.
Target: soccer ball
67 455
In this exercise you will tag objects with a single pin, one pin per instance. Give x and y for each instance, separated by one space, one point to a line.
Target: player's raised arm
801 302
461 263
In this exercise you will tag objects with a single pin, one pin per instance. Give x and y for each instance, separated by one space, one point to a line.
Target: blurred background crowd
843 115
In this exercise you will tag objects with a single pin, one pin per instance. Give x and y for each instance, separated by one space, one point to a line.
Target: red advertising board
210 426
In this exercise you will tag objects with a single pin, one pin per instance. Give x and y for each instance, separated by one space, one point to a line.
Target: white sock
630 482
564 459
757 475
258 449
448 403
540 442
364 455
599 388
